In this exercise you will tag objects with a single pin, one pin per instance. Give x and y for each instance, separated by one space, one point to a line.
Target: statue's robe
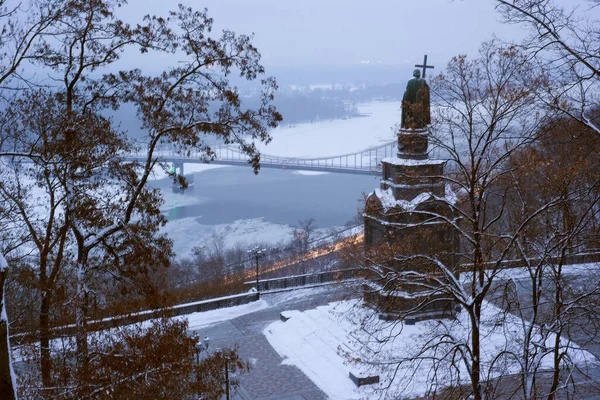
415 105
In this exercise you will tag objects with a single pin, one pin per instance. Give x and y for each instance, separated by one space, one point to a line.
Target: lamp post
257 253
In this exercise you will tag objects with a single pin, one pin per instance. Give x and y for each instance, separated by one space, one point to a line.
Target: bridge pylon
177 168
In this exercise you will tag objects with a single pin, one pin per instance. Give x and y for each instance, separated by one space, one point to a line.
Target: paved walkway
268 378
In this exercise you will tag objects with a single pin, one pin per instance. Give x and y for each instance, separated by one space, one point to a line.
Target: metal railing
304 280
364 162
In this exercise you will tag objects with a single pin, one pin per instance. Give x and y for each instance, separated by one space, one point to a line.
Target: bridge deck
365 162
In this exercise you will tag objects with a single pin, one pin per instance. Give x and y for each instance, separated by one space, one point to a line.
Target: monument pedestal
408 215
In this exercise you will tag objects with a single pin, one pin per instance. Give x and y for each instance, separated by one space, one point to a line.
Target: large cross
424 66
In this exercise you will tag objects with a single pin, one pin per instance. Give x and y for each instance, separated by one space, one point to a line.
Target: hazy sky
326 32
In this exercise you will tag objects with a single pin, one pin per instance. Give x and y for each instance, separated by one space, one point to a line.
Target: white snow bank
309 340
174 200
203 319
188 168
279 299
189 232
309 173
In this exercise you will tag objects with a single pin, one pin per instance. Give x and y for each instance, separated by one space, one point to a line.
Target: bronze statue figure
416 113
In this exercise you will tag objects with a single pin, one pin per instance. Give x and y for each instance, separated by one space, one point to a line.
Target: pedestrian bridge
364 162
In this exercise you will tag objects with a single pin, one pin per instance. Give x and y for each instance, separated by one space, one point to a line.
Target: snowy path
270 378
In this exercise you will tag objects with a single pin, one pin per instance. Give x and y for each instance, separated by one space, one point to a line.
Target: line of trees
77 217
224 270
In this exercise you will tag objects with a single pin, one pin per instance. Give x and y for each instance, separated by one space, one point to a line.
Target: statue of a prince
416 113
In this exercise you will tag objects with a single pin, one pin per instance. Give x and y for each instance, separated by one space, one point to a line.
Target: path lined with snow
323 341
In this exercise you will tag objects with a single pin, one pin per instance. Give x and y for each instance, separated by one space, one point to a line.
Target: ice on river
321 139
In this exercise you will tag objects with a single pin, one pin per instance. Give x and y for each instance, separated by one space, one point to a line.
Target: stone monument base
412 144
409 307
412 213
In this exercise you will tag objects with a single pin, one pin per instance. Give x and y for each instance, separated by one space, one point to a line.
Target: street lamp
200 347
257 253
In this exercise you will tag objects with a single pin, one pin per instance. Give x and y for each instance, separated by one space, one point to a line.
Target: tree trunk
476 352
45 358
558 303
81 314
8 385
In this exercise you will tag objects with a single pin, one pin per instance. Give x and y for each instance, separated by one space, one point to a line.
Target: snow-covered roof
450 195
410 186
388 201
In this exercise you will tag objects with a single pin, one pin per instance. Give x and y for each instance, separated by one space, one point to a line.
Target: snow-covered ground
203 319
189 232
328 342
159 173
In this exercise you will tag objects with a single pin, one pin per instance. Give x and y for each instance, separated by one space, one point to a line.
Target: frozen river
265 208
225 195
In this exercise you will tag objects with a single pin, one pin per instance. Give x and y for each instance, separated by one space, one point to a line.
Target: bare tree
19 42
210 259
22 30
304 234
564 41
486 111
555 311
